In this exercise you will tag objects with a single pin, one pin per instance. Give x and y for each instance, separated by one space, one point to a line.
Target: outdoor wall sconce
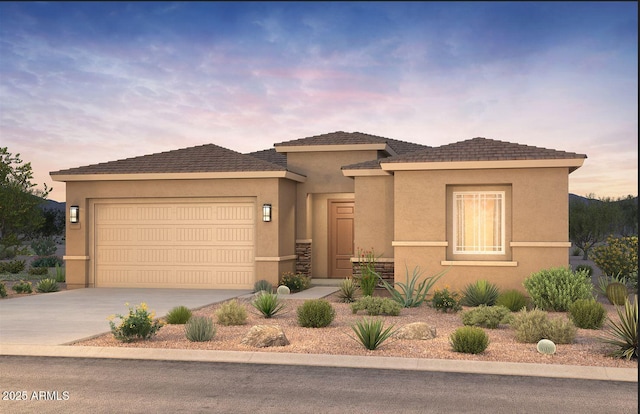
266 212
74 214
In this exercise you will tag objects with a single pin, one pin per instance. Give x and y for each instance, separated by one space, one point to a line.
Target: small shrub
199 329
60 277
469 340
47 285
372 333
44 246
295 282
486 316
178 315
532 326
231 313
587 314
263 285
268 304
514 300
348 291
13 267
411 294
619 255
139 323
3 290
623 334
576 252
586 269
445 301
315 313
38 271
375 305
482 292
555 289
368 278
22 287
47 261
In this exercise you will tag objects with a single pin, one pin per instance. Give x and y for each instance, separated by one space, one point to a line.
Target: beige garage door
178 244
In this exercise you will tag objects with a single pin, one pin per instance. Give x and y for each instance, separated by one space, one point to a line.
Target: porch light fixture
74 214
266 212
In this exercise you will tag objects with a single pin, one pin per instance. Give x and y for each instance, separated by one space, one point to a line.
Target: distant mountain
573 197
53 205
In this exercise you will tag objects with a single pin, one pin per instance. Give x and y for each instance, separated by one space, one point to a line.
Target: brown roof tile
482 149
203 158
271 155
351 138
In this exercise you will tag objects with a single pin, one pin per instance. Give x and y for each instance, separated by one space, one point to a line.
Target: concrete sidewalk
40 325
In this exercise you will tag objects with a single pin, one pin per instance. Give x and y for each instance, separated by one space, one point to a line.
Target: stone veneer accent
385 268
303 261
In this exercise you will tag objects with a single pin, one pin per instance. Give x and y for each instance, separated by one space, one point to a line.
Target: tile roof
271 155
203 158
482 149
351 138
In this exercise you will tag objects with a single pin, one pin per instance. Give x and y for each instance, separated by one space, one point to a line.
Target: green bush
445 301
514 300
372 333
555 289
576 252
623 333
315 313
22 287
348 291
368 278
47 285
263 285
13 267
44 246
268 304
295 282
139 323
375 305
532 326
412 294
587 313
199 329
619 255
178 315
586 269
3 290
486 316
38 271
482 292
231 313
60 276
47 261
469 340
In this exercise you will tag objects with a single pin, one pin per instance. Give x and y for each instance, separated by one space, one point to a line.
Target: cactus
283 290
617 293
546 347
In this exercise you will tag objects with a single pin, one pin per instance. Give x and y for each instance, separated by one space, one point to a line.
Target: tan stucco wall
539 220
374 214
324 175
274 240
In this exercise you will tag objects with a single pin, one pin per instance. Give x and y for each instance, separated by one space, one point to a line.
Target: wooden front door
341 248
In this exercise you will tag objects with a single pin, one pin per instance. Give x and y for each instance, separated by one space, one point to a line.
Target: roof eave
179 176
573 164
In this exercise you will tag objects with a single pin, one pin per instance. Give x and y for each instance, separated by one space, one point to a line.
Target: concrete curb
343 361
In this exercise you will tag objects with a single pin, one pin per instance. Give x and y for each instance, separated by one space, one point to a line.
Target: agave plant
624 334
269 304
412 293
348 291
479 293
371 333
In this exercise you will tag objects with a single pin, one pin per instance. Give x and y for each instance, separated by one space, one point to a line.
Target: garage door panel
180 244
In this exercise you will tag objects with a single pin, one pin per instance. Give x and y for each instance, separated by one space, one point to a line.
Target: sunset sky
82 83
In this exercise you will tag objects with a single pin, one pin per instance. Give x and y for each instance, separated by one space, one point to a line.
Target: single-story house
209 217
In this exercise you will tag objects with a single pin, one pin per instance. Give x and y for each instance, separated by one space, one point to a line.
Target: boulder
262 336
416 330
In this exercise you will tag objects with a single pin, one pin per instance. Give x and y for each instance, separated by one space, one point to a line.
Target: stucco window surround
479 223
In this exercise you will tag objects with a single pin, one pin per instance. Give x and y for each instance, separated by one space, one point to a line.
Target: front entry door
341 246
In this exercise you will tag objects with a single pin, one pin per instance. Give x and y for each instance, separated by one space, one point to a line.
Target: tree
590 222
20 213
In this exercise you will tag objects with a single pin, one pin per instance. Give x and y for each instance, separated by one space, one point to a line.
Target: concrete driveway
63 317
